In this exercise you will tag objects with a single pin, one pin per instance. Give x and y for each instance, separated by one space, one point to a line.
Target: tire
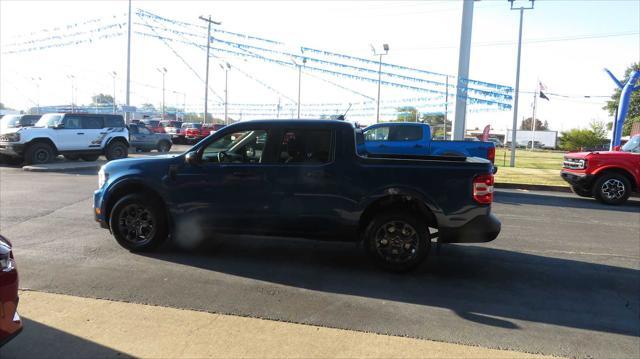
71 157
39 153
612 188
138 222
387 235
581 191
164 146
116 150
89 158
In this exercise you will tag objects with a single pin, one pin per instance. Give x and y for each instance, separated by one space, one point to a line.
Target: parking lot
561 279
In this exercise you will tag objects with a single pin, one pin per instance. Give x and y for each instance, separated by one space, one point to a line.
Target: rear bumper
577 179
481 229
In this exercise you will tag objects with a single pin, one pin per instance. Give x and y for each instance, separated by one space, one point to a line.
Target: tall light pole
464 57
446 106
37 81
304 61
163 71
128 117
512 163
206 81
385 47
226 88
113 99
72 78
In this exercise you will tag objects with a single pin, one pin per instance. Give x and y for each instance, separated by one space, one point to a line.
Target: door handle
80 133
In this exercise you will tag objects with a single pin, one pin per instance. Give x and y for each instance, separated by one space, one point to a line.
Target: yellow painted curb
157 332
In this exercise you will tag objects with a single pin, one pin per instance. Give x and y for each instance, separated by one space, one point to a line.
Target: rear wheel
116 150
164 146
397 241
39 153
89 158
612 188
581 191
138 222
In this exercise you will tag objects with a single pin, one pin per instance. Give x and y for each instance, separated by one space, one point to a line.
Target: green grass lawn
532 167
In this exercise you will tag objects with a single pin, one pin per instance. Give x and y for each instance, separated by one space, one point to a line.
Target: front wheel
164 146
138 222
39 153
612 188
116 150
397 241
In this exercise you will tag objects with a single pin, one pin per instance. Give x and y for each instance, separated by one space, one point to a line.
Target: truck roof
295 123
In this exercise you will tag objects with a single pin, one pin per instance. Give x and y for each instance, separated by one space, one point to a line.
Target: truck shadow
519 198
478 283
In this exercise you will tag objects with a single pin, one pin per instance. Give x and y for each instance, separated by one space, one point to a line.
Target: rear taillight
483 189
491 154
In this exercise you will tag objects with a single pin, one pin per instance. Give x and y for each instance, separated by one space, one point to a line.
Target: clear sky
566 46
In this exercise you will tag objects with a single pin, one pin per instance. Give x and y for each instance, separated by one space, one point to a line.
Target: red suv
609 176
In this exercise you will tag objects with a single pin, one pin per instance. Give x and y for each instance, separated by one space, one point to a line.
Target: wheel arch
43 140
618 170
117 138
131 186
397 201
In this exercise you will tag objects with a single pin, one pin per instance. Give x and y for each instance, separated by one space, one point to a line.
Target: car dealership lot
562 278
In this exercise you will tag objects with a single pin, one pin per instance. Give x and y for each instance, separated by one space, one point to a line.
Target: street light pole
446 106
464 57
128 117
206 81
512 162
113 99
37 81
163 71
226 83
386 51
71 77
304 61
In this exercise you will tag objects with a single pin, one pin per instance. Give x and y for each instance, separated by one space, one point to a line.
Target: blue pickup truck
415 139
298 178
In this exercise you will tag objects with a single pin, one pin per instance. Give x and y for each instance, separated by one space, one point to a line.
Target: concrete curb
533 187
64 166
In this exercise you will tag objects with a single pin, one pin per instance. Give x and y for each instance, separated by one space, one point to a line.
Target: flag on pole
485 133
541 88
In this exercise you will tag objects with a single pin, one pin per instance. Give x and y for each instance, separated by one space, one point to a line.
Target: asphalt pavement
561 279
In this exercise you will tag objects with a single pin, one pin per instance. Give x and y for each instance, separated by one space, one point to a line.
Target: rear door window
92 122
113 121
405 133
306 146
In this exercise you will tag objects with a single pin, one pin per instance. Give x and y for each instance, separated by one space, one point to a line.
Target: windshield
49 120
633 145
9 121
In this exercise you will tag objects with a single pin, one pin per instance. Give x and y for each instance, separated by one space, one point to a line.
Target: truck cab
609 176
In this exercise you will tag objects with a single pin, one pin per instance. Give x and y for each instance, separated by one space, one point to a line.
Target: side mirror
59 126
192 158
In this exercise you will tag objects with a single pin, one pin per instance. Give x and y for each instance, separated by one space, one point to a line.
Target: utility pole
226 84
163 71
446 106
278 109
37 81
517 88
385 47
113 99
304 61
128 117
72 78
533 120
459 124
206 81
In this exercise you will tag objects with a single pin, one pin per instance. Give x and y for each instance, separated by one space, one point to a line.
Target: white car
74 135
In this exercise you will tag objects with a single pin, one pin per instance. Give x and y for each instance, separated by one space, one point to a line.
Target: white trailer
547 139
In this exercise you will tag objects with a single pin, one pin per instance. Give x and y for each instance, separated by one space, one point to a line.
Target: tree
436 121
628 123
577 139
406 114
147 107
101 99
634 106
526 125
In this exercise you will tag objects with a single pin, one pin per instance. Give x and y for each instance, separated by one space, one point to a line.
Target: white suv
74 135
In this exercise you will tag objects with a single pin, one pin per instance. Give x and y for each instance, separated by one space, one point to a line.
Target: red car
154 125
609 176
10 323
